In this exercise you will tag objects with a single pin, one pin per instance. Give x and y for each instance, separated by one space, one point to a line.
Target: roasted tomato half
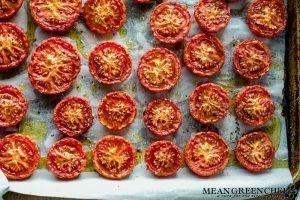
8 8
67 158
206 153
252 59
267 18
55 16
13 45
212 15
73 116
254 105
142 1
54 66
13 106
19 156
170 22
159 70
117 111
209 103
104 16
114 157
110 63
162 117
204 55
163 158
255 151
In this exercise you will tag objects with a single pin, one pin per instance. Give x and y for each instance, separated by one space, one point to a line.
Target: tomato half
163 158
110 63
117 111
170 22
159 70
254 105
19 156
252 59
209 103
54 66
67 158
8 8
255 151
267 18
104 16
13 106
114 157
206 153
142 1
55 16
204 55
13 46
73 116
212 15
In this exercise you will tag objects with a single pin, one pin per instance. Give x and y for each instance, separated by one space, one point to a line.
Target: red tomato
209 103
104 16
110 63
8 8
254 105
55 16
159 70
252 59
206 153
73 116
67 158
170 22
117 111
204 55
19 156
255 151
162 117
114 157
267 18
212 15
13 106
142 1
13 46
54 66
163 158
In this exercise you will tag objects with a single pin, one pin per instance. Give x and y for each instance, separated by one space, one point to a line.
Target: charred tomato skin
11 11
105 49
14 145
250 148
111 150
170 152
210 139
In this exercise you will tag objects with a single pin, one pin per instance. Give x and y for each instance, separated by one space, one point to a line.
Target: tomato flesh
8 8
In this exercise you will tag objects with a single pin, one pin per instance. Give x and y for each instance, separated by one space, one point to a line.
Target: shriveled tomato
159 70
212 15
252 59
67 158
170 22
104 16
54 66
255 151
267 18
206 153
114 157
55 16
163 158
13 46
162 117
204 55
209 103
13 106
8 8
110 63
73 116
117 111
19 156
254 105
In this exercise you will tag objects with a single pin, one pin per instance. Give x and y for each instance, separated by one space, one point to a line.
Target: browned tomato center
10 108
